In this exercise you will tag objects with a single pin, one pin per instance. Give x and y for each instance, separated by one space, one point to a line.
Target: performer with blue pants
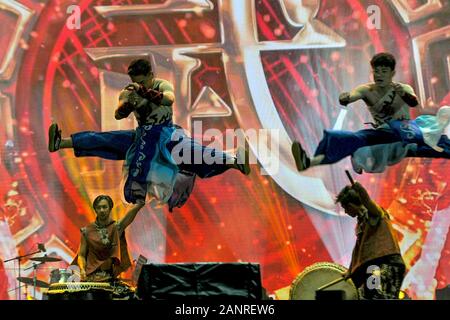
394 137
157 152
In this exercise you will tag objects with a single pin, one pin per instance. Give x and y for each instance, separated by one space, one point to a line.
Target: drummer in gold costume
377 267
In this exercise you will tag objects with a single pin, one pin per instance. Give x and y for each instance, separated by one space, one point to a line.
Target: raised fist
398 88
344 98
154 96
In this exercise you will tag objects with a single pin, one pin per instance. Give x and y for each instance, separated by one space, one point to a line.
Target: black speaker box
443 293
199 281
330 295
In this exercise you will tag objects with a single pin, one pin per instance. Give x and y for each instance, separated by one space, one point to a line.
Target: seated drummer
377 267
103 252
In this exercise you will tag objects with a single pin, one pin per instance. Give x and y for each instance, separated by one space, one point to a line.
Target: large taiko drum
80 291
317 276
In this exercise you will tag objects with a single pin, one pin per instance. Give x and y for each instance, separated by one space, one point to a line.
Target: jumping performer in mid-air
394 135
148 151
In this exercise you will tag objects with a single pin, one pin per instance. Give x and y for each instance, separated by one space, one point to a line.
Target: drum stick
331 283
349 177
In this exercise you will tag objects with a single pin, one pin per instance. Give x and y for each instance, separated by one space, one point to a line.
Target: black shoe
242 161
54 137
301 159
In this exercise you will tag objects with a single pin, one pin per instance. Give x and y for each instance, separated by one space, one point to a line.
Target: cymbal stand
18 258
34 266
14 289
26 291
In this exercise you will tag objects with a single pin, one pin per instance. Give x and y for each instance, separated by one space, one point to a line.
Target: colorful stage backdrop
250 64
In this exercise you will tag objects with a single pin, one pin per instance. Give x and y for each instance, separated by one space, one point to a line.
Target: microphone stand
18 258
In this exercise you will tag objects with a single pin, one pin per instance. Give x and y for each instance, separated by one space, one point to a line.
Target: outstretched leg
337 144
111 145
302 161
55 141
207 162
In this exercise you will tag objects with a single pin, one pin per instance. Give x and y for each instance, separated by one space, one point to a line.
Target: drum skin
317 275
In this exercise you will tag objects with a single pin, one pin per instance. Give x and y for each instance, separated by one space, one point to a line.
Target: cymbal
45 259
30 281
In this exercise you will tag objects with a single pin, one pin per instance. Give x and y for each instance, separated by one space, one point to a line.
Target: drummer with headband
377 267
103 252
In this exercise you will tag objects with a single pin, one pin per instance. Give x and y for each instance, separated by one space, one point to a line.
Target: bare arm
407 94
122 111
82 258
374 210
125 107
163 96
168 94
129 216
356 94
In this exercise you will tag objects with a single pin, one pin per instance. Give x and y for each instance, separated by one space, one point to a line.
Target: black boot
301 159
54 137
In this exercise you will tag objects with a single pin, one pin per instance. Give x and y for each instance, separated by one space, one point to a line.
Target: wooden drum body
318 275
